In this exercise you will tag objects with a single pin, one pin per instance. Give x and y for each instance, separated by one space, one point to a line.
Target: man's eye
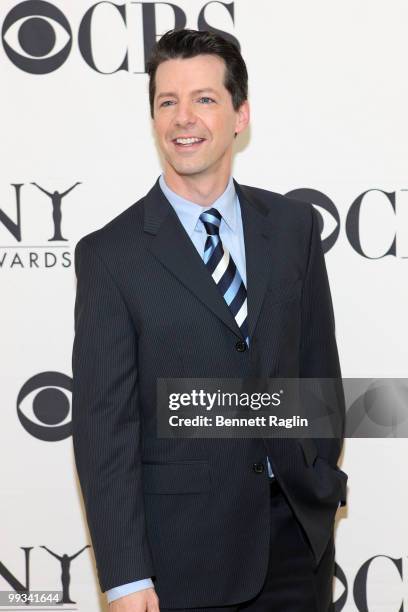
206 99
166 102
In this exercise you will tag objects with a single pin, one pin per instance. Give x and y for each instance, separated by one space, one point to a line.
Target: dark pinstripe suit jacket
193 512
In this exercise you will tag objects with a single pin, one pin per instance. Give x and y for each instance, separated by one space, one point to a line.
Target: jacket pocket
176 477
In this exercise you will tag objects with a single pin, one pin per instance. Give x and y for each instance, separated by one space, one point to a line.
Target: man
203 278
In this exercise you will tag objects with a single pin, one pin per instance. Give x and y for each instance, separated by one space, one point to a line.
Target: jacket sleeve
106 423
318 351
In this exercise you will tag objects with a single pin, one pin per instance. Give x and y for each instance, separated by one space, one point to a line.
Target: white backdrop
328 95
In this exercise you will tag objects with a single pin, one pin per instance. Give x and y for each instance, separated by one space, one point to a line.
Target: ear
242 117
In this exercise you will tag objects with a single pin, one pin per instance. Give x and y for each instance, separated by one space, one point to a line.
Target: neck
199 188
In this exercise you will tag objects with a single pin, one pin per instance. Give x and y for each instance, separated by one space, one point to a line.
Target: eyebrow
169 94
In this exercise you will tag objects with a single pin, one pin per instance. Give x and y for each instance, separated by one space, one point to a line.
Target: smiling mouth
188 143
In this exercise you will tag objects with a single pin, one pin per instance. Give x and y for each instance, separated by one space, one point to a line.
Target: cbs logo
37 36
373 217
44 406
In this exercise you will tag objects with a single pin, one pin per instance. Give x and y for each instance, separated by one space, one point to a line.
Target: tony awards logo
46 252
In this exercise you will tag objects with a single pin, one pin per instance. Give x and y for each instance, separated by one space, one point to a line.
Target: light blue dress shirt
232 236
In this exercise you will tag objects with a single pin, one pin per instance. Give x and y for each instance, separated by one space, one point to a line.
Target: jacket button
258 468
240 346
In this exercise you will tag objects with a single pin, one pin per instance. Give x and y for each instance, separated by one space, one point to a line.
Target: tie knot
211 219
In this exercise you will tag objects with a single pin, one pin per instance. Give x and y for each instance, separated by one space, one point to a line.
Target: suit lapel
173 248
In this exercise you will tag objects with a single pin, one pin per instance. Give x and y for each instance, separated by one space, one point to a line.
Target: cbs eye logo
359 225
327 213
33 30
46 414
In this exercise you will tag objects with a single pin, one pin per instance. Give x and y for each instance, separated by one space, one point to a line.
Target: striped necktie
224 271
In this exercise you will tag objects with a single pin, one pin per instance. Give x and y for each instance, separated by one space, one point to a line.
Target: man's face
191 101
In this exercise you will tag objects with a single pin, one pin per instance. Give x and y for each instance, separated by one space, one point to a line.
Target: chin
188 170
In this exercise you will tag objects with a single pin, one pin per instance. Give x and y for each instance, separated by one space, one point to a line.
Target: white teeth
187 140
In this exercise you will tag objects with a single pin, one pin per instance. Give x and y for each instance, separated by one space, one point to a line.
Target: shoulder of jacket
115 233
286 208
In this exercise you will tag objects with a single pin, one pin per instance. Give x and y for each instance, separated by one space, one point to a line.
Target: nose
184 114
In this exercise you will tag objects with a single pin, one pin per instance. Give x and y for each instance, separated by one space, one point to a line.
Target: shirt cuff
126 589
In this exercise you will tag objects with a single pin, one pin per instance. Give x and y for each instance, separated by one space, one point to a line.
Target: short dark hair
184 43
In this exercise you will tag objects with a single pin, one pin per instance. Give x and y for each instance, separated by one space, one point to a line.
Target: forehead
190 74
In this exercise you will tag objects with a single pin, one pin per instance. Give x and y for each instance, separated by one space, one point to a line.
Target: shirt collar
189 212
